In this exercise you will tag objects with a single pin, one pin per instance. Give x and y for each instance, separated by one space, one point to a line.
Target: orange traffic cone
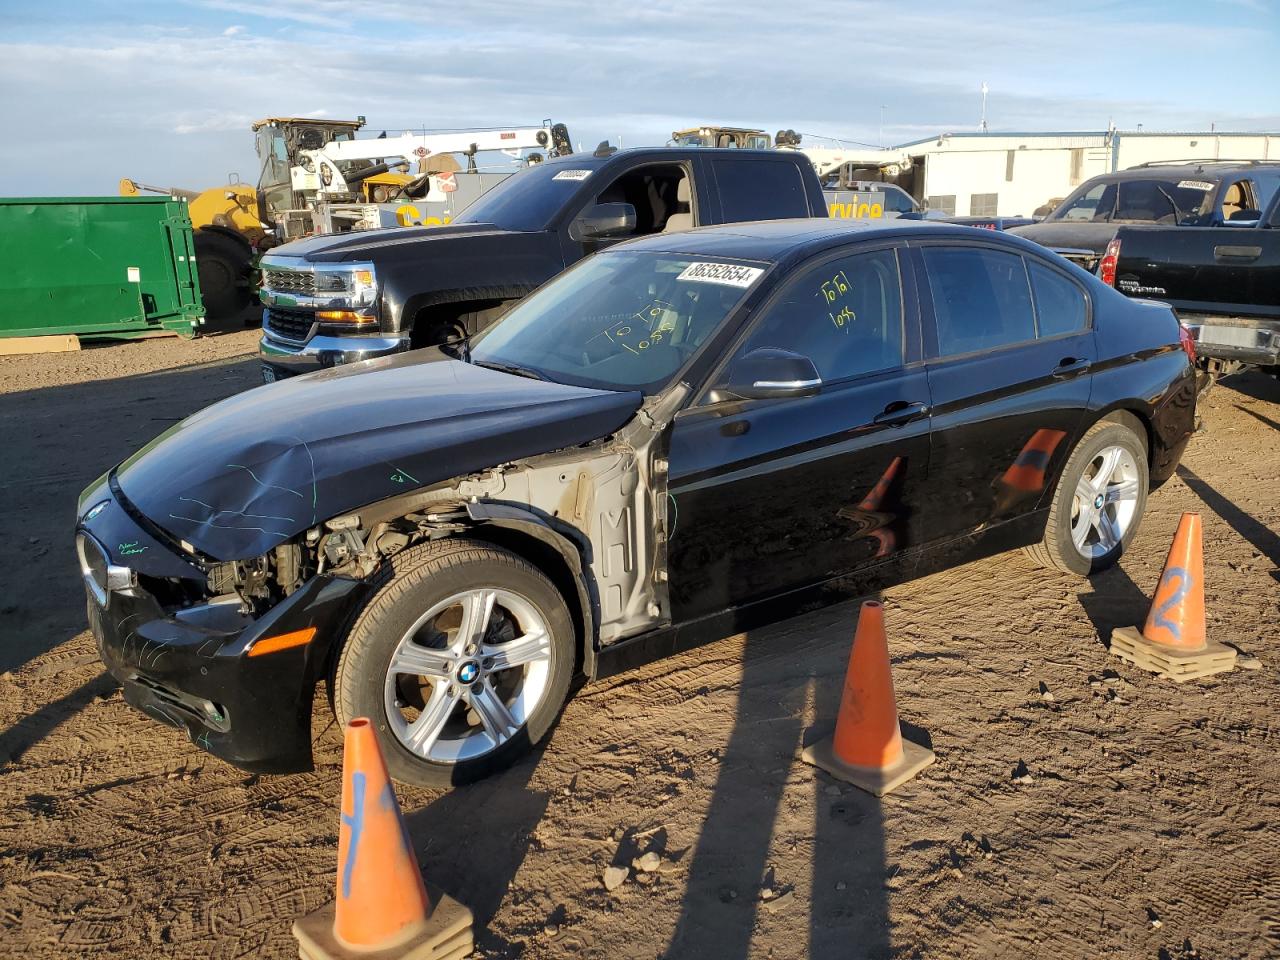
1172 642
867 748
382 907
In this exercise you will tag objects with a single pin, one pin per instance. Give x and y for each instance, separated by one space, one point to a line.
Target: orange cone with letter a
867 748
382 908
1172 642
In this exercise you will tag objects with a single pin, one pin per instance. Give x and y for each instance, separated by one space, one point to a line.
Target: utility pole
882 126
983 125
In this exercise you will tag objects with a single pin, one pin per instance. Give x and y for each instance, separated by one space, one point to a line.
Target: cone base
878 781
446 935
1130 645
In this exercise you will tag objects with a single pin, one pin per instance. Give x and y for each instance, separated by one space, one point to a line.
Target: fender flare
530 524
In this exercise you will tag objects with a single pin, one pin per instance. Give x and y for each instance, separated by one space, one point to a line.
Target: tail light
1107 268
1188 342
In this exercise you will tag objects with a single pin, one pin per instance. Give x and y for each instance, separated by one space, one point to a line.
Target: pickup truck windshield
1173 200
529 198
618 321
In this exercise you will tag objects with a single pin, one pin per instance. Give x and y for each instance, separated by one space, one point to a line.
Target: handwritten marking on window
831 291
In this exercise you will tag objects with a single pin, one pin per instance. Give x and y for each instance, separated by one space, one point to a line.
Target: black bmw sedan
678 437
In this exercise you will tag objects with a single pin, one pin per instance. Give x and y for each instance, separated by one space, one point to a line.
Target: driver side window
845 315
659 193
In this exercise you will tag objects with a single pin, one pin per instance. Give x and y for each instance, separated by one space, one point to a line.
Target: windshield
529 198
1171 200
619 321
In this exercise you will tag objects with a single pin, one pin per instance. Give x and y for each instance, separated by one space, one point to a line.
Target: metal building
1015 174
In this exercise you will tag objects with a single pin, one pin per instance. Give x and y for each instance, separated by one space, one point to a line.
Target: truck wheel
462 659
1099 502
224 264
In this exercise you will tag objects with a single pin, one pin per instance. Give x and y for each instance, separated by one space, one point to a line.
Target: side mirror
604 220
768 372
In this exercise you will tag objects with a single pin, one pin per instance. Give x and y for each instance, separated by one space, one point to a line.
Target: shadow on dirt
1255 384
1114 601
732 888
34 727
56 440
1263 538
476 865
1257 416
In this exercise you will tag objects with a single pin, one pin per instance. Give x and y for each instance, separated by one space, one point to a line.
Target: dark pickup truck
1193 193
336 299
1224 283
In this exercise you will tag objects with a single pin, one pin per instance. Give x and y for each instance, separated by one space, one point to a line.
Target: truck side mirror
769 372
604 220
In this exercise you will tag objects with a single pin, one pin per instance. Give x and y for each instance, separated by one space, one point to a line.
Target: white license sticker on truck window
727 274
1204 185
572 175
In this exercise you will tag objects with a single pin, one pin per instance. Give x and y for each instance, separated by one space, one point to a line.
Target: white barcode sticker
727 274
1204 185
572 175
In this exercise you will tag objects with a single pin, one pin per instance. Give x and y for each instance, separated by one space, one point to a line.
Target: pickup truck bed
1224 282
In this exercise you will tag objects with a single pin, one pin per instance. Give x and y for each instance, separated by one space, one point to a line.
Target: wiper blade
512 368
458 349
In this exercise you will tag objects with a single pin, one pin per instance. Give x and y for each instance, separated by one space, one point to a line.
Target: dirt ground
1078 807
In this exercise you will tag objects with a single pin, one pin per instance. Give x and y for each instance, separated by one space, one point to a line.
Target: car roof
584 159
1181 171
775 240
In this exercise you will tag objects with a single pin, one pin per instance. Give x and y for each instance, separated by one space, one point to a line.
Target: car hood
1065 234
336 247
246 474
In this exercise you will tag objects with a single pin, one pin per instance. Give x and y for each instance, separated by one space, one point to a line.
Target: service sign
726 274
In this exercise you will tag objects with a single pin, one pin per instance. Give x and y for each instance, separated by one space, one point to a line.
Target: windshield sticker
572 175
726 274
1204 185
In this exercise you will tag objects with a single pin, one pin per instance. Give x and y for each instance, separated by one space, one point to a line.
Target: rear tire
224 264
1100 499
472 713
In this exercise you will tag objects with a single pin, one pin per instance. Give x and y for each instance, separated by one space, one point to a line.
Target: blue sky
164 91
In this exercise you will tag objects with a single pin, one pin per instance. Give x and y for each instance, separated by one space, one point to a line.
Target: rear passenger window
756 189
1060 306
980 298
845 316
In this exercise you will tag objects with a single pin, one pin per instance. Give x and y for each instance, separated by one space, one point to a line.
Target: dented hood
246 474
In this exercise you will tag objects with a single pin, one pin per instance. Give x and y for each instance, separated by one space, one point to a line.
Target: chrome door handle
900 413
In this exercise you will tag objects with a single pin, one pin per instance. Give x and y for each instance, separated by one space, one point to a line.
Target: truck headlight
350 286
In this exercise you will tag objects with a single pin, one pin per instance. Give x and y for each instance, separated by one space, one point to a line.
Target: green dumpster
97 267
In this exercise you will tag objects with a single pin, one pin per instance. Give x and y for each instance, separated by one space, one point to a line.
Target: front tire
461 659
1099 502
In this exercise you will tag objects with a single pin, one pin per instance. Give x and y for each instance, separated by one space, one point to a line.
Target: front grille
304 283
290 281
290 326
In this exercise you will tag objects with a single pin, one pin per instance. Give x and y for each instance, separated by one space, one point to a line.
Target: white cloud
233 30
142 103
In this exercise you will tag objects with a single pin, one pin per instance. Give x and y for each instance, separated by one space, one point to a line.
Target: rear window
980 298
1168 200
1060 306
758 189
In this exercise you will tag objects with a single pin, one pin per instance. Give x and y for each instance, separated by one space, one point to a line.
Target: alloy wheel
465 678
1105 502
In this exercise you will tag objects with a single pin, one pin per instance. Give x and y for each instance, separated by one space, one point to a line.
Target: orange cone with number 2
867 748
1172 641
382 908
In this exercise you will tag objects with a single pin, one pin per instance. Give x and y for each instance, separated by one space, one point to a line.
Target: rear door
772 495
1009 345
757 186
